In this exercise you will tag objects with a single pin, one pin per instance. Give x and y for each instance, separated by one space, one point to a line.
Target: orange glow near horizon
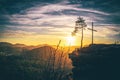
53 40
70 40
29 38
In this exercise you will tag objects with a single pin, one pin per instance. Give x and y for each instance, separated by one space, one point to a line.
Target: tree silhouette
80 24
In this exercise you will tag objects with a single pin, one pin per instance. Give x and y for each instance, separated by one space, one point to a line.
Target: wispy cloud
36 15
15 34
60 7
57 19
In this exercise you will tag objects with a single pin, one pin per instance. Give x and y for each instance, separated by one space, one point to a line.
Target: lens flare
70 40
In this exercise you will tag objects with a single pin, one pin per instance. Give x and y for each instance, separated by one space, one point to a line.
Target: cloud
56 17
60 7
110 6
15 34
39 15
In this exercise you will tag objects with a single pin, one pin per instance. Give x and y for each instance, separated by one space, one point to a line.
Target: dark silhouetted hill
96 62
40 52
9 49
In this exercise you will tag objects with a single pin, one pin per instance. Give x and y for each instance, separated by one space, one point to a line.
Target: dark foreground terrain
96 62
20 62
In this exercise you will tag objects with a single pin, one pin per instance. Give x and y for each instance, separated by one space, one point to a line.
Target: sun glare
70 40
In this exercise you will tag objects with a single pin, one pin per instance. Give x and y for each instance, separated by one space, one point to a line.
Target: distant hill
26 46
40 52
46 54
96 62
19 45
18 48
9 49
43 52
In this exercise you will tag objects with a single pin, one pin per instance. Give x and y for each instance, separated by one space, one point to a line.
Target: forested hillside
96 62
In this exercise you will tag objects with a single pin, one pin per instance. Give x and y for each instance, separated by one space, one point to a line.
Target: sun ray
70 40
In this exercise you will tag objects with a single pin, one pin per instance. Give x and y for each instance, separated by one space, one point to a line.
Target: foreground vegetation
41 63
96 62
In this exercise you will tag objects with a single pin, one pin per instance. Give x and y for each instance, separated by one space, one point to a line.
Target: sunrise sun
70 40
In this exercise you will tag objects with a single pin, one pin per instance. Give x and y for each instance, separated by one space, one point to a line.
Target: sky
34 22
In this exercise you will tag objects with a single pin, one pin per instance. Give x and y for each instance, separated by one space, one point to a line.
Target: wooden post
92 33
92 29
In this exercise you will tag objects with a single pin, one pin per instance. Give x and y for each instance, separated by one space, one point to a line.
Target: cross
92 29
